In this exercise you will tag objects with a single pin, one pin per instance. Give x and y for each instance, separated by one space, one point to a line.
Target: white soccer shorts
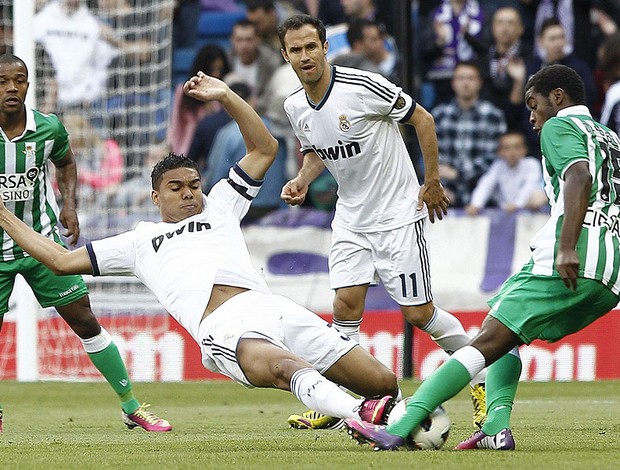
398 257
281 321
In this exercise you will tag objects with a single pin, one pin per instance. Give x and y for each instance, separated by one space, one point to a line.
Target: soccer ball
431 434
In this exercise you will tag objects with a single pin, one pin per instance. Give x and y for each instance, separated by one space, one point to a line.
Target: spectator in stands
468 128
574 17
253 61
208 127
514 181
264 15
100 162
228 148
504 69
552 46
552 43
80 47
369 51
186 111
610 67
446 40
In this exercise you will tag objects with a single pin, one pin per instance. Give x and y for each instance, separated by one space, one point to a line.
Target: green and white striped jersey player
29 141
570 281
573 136
25 186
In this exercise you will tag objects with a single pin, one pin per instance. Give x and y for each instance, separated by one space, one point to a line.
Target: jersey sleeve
113 256
237 191
562 143
306 146
383 98
61 141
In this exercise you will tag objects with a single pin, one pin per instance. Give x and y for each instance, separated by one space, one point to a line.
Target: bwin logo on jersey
342 150
191 227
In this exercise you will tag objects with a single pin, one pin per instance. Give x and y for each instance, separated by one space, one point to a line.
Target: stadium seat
215 26
182 59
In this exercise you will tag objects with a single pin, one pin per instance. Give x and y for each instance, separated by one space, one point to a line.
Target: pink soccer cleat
146 420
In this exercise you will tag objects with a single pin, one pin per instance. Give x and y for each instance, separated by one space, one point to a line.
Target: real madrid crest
344 123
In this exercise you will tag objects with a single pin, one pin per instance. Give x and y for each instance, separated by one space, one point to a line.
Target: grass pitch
221 425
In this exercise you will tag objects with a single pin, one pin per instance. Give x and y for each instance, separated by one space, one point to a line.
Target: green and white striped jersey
25 186
573 136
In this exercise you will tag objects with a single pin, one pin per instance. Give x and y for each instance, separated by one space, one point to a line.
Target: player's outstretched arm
47 251
260 144
431 193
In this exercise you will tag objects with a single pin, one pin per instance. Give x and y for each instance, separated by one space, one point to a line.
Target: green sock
109 362
440 386
501 386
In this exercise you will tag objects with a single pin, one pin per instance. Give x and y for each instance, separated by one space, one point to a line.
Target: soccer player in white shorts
197 264
347 120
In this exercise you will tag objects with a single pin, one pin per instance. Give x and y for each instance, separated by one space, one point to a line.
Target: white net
104 67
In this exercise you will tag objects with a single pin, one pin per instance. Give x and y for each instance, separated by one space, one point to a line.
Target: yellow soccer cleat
314 420
479 400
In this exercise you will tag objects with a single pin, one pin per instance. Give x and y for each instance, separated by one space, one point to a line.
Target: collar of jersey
327 93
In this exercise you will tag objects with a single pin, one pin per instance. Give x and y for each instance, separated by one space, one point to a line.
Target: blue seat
217 24
182 60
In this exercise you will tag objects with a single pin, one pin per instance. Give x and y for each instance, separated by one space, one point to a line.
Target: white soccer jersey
354 130
180 262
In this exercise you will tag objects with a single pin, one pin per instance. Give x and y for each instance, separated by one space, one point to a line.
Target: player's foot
376 410
373 434
314 420
503 440
146 420
479 400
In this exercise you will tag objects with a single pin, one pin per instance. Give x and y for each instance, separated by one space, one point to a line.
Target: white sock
446 331
471 358
97 343
322 395
449 334
351 328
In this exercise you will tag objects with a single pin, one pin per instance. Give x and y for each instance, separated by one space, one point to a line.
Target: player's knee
418 315
282 371
347 307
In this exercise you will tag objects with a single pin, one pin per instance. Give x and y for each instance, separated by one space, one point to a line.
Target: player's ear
285 55
155 197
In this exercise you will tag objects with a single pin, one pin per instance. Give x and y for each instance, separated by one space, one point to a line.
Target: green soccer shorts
50 289
542 307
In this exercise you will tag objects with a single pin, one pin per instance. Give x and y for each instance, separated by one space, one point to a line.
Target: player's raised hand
433 195
294 192
205 88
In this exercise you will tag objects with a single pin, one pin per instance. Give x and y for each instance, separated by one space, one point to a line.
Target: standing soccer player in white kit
347 121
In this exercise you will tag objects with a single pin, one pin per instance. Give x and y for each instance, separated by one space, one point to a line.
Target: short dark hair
267 5
12 59
171 162
244 23
470 63
356 29
297 22
548 23
558 76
